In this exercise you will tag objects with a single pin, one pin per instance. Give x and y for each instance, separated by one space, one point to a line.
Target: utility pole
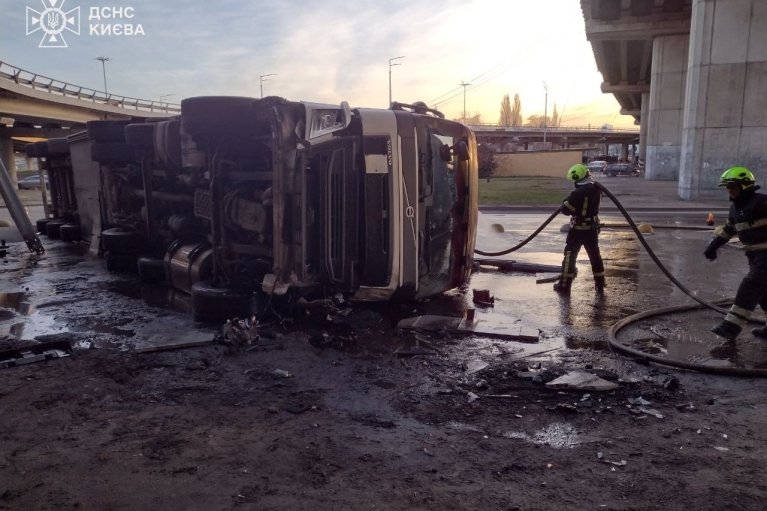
545 112
392 63
464 85
261 80
104 60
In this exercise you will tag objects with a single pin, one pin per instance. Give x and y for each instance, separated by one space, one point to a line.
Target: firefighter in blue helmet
583 207
747 219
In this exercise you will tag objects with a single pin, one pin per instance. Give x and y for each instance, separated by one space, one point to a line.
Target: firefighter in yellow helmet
583 207
747 219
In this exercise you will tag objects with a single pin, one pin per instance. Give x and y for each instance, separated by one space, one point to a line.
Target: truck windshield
436 251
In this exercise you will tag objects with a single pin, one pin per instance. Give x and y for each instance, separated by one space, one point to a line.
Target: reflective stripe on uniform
745 226
738 315
585 207
755 247
568 206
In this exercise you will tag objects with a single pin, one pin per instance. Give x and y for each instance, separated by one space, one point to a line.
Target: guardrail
549 129
57 87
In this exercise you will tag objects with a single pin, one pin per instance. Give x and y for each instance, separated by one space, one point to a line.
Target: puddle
557 435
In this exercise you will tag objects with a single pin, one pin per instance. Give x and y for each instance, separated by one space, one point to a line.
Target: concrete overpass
523 138
692 72
32 105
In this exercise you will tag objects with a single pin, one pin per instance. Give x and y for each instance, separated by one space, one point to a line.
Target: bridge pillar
643 126
726 105
666 108
6 153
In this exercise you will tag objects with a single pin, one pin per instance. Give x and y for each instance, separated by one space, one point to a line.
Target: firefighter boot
599 284
727 330
562 288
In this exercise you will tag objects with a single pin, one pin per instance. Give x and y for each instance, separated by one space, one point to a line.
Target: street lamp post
545 112
392 63
104 60
464 85
261 80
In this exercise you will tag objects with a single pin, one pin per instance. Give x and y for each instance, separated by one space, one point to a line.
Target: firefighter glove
712 247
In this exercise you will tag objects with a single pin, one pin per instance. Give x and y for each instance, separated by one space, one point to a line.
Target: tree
535 121
516 111
486 161
506 114
555 119
471 120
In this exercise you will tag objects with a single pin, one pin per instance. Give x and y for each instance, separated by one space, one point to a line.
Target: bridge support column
726 108
6 153
643 127
666 108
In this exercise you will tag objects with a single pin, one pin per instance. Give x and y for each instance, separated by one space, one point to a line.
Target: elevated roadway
36 106
691 72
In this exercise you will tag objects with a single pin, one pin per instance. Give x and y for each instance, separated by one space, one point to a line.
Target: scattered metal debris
581 380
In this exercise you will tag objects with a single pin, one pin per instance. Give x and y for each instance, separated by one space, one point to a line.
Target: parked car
31 182
620 169
596 165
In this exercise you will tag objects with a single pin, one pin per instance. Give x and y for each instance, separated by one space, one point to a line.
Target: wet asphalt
67 293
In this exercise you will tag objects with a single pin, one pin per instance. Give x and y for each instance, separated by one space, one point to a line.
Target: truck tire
151 270
53 229
167 143
107 131
40 149
213 304
140 134
112 153
58 147
69 232
217 115
40 224
120 263
120 241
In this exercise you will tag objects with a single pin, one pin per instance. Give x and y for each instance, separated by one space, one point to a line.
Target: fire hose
614 329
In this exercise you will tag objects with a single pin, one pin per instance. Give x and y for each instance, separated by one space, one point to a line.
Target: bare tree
535 121
516 111
506 114
556 120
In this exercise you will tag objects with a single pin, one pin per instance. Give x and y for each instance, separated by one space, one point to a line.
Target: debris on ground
581 380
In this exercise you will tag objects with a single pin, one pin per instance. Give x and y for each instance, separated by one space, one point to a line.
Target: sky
329 51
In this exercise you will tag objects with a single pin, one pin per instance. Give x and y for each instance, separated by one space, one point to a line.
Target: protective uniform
748 219
583 207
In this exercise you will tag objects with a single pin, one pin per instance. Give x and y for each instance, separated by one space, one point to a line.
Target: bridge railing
57 87
553 129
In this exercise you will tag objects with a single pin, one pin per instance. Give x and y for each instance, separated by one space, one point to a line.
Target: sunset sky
331 50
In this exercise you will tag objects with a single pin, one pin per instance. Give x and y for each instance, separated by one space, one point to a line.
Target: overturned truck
242 202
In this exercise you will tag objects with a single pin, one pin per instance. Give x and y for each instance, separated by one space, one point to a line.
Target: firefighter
583 207
748 219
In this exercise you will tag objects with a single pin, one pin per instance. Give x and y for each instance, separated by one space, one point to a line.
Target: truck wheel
107 131
168 143
53 229
69 232
140 134
120 263
151 270
58 147
213 304
112 152
120 241
217 115
40 224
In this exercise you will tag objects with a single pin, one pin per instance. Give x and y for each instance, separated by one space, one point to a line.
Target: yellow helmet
577 172
739 175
